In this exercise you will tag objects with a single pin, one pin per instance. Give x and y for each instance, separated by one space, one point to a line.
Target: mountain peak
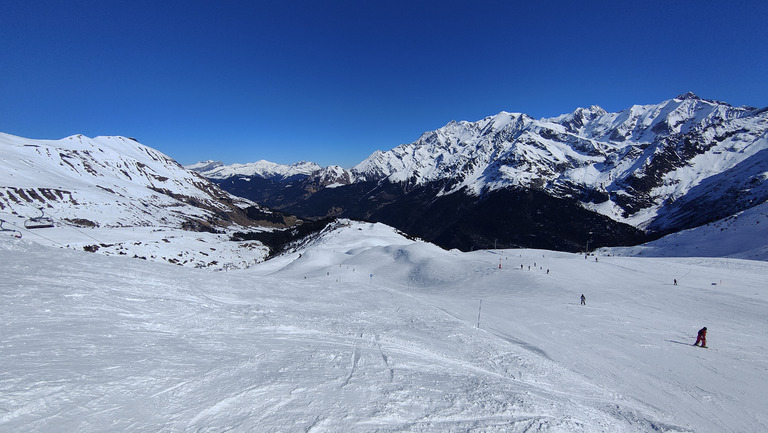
204 165
687 96
690 96
598 110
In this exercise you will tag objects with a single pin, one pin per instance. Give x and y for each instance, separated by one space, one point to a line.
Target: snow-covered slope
108 181
742 235
114 195
366 331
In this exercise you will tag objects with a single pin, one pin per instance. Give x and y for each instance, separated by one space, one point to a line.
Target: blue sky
332 81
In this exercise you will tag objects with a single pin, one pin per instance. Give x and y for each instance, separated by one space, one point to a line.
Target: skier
701 337
675 281
583 300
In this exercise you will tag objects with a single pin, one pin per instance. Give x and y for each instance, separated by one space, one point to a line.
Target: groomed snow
366 331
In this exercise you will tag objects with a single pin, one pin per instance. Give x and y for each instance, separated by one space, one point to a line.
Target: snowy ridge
366 331
262 168
110 181
331 177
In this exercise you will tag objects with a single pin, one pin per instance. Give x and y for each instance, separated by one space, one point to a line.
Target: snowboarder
583 300
701 337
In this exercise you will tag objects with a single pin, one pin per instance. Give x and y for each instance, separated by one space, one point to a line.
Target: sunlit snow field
366 331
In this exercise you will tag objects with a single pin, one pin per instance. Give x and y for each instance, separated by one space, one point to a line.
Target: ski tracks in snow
375 345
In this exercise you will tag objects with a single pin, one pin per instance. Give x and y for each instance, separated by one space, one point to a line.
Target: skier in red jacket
702 337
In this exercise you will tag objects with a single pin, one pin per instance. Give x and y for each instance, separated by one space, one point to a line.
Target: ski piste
109 343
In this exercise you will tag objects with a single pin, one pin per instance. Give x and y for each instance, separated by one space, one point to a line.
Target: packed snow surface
366 331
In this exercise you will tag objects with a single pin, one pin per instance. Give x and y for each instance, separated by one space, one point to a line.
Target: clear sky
332 81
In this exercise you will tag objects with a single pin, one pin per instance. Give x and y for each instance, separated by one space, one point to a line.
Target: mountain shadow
506 218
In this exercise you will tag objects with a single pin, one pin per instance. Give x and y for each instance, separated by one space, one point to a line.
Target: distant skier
701 337
583 300
675 280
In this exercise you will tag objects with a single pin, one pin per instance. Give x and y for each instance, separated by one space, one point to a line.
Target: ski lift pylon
40 222
12 232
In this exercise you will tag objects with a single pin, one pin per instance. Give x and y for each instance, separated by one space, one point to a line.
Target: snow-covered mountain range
659 168
626 165
262 168
585 179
